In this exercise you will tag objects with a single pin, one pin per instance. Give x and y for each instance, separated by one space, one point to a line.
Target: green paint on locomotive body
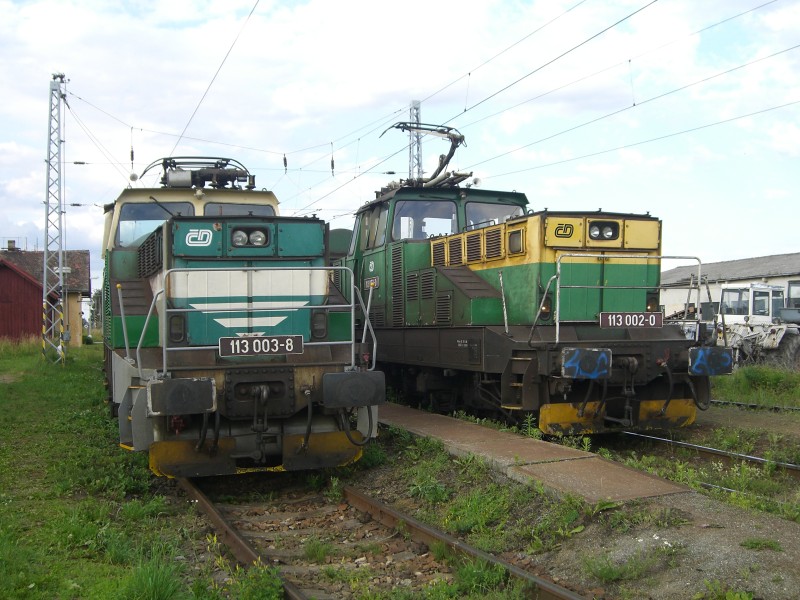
218 299
418 287
524 284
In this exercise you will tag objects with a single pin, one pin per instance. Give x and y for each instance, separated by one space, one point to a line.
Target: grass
762 385
607 570
81 518
761 544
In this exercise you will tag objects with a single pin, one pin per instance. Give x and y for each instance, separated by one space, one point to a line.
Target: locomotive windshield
226 209
137 220
484 214
420 220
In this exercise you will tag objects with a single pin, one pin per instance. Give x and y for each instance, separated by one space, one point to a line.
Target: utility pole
415 143
53 268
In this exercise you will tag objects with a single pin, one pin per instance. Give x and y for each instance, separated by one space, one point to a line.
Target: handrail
144 331
557 277
167 282
541 307
124 323
367 325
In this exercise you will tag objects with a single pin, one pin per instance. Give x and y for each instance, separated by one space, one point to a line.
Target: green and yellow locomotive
225 350
478 303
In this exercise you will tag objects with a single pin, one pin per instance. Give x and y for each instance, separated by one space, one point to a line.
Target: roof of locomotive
463 194
199 180
601 214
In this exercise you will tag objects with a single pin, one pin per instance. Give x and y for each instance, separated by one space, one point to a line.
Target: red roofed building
21 293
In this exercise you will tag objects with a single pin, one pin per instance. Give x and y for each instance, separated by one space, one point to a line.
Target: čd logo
564 230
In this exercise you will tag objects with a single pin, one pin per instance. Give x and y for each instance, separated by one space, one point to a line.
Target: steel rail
788 409
420 532
789 468
228 535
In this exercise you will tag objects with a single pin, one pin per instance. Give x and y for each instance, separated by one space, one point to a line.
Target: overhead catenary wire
360 170
557 58
648 141
213 79
633 106
360 132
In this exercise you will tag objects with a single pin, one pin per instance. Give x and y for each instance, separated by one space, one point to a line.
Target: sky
684 109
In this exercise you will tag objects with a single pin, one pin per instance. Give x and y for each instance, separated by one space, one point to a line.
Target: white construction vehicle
760 325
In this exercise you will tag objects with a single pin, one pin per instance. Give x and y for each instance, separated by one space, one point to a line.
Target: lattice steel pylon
53 268
415 144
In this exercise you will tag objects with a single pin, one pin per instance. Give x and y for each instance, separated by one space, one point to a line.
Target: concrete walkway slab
561 469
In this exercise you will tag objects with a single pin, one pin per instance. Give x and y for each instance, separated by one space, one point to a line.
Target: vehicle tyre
787 355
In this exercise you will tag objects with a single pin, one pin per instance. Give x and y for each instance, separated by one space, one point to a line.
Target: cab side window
373 227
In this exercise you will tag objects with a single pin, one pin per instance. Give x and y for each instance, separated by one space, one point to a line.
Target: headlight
603 230
239 238
258 238
547 309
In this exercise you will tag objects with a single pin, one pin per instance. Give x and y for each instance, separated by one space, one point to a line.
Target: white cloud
317 78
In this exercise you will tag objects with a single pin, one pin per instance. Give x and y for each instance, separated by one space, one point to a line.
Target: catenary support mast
415 144
53 269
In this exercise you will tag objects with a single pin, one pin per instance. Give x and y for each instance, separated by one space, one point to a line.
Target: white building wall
674 299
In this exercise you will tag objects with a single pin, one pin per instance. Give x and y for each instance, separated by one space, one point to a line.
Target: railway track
778 409
790 469
373 544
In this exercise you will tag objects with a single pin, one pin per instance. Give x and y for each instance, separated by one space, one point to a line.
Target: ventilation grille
444 309
107 319
398 306
412 286
473 246
149 258
456 255
377 317
427 284
494 243
438 254
336 276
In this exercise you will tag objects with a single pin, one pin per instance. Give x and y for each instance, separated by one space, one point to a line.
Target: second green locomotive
479 303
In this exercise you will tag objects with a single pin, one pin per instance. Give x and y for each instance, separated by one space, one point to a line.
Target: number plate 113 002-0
261 345
631 319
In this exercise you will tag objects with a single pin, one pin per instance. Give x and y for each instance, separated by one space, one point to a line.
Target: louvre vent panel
427 285
438 254
456 255
473 247
377 317
494 243
444 309
412 286
149 258
398 305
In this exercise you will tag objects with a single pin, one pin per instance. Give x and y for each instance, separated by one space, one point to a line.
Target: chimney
12 245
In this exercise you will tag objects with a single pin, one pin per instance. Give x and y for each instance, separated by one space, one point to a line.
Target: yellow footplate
330 449
180 459
562 418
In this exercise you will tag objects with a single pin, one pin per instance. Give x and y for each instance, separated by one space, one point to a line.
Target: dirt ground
705 538
710 541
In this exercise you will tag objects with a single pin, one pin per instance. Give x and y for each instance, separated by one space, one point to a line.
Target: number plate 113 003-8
261 345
